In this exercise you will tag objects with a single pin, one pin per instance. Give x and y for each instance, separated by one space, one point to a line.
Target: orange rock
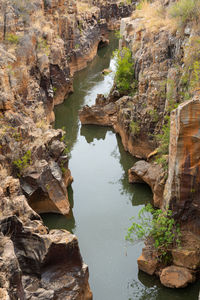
147 261
176 277
186 258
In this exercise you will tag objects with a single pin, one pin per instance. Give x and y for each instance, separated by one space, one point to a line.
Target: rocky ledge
36 263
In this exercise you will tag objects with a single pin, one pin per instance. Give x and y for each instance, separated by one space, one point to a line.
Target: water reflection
87 84
93 132
149 288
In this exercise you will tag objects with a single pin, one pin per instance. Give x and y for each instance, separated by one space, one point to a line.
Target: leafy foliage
157 227
124 77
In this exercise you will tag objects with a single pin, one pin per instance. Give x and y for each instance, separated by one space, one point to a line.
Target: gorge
44 46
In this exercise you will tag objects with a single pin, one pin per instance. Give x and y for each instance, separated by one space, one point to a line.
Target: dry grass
3 173
154 17
83 6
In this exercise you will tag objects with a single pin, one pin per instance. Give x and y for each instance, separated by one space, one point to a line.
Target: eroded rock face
186 258
176 277
153 175
182 187
36 263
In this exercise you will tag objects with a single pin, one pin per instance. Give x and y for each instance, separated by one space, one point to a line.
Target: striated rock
182 186
176 277
152 174
186 258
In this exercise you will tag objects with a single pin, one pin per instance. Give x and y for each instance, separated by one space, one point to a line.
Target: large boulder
186 258
176 277
147 262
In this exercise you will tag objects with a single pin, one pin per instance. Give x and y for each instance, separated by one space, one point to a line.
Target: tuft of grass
135 128
12 38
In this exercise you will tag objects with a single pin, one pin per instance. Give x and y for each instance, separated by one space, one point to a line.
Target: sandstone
186 258
176 277
152 174
147 262
182 186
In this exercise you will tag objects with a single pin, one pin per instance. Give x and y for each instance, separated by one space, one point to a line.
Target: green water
102 200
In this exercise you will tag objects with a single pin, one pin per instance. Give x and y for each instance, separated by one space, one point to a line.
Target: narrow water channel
102 200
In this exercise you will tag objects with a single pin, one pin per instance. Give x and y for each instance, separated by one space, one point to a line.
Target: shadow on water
102 199
149 287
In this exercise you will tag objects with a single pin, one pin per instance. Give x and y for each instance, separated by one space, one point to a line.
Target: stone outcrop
147 262
36 263
186 258
153 175
182 187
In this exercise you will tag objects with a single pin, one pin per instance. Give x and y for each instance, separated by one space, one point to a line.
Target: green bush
158 228
124 77
185 11
23 162
12 38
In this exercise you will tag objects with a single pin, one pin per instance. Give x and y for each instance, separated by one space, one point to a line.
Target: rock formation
42 44
166 59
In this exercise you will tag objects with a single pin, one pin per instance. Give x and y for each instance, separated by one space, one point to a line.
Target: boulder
186 258
176 277
147 262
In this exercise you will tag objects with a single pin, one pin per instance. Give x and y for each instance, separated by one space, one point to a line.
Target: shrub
12 38
23 162
185 11
154 115
163 138
158 228
124 77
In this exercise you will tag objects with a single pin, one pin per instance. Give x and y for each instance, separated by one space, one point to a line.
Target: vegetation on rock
158 228
124 78
22 162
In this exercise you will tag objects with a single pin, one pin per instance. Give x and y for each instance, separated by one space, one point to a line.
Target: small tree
157 228
124 77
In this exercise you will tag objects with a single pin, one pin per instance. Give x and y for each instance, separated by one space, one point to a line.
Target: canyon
43 45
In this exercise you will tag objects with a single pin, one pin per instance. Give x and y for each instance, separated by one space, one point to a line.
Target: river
101 198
